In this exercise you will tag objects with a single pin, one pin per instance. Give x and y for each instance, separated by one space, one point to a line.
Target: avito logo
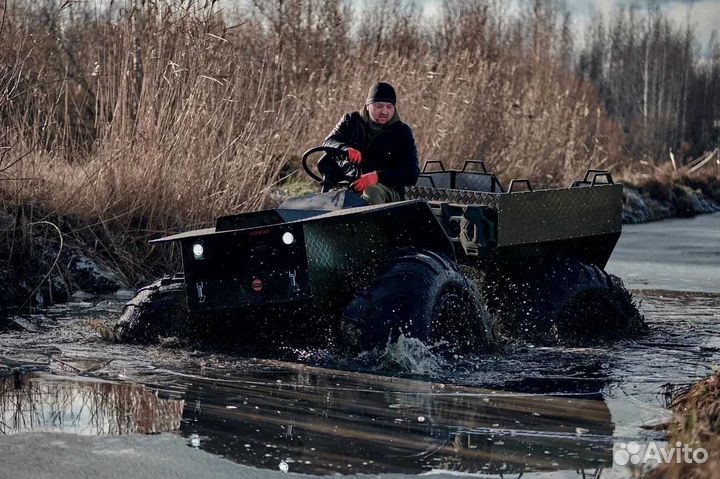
634 453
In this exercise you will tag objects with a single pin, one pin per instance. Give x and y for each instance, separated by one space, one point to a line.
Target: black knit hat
381 92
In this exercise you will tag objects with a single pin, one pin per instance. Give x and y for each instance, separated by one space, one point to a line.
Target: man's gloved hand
365 181
354 156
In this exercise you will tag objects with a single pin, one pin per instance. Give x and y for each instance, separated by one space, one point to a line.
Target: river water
74 405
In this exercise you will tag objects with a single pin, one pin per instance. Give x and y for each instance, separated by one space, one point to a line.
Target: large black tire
419 294
560 300
157 310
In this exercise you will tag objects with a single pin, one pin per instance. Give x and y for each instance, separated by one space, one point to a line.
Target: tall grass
694 424
154 116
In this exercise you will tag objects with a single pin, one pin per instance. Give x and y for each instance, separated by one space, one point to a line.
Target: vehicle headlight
198 250
288 238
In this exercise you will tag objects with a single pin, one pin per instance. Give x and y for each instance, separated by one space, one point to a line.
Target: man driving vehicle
380 144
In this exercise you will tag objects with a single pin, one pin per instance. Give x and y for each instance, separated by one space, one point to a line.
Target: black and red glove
354 156
365 181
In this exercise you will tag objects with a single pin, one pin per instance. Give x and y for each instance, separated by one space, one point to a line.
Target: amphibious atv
461 260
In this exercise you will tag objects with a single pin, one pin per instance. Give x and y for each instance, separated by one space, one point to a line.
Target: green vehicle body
322 248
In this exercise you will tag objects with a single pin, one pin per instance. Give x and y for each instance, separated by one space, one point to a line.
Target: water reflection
32 403
319 421
331 422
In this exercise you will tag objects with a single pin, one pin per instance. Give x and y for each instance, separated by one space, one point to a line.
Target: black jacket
390 150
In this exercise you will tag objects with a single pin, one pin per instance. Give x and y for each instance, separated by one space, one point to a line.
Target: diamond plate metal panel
342 245
462 197
551 215
336 251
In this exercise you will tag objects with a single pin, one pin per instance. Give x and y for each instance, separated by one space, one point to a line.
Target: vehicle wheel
561 300
422 295
157 310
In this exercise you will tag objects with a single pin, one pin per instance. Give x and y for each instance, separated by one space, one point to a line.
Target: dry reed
149 119
695 423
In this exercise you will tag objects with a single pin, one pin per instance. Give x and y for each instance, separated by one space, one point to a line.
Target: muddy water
538 411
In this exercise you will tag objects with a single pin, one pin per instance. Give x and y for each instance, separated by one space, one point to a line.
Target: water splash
406 355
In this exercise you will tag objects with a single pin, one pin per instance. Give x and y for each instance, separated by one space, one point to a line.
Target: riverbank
679 196
46 259
696 424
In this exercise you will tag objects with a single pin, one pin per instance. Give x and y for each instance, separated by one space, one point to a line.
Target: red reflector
257 285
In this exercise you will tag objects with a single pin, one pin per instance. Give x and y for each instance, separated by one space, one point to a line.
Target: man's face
381 112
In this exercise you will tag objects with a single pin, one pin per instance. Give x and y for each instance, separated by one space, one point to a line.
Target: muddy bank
46 259
695 423
682 197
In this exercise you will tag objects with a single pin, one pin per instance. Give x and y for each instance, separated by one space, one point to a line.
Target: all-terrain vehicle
461 260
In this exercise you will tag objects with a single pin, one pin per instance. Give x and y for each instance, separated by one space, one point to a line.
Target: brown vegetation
695 423
670 194
153 116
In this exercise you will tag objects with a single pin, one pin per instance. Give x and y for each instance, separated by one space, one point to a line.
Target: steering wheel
334 168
